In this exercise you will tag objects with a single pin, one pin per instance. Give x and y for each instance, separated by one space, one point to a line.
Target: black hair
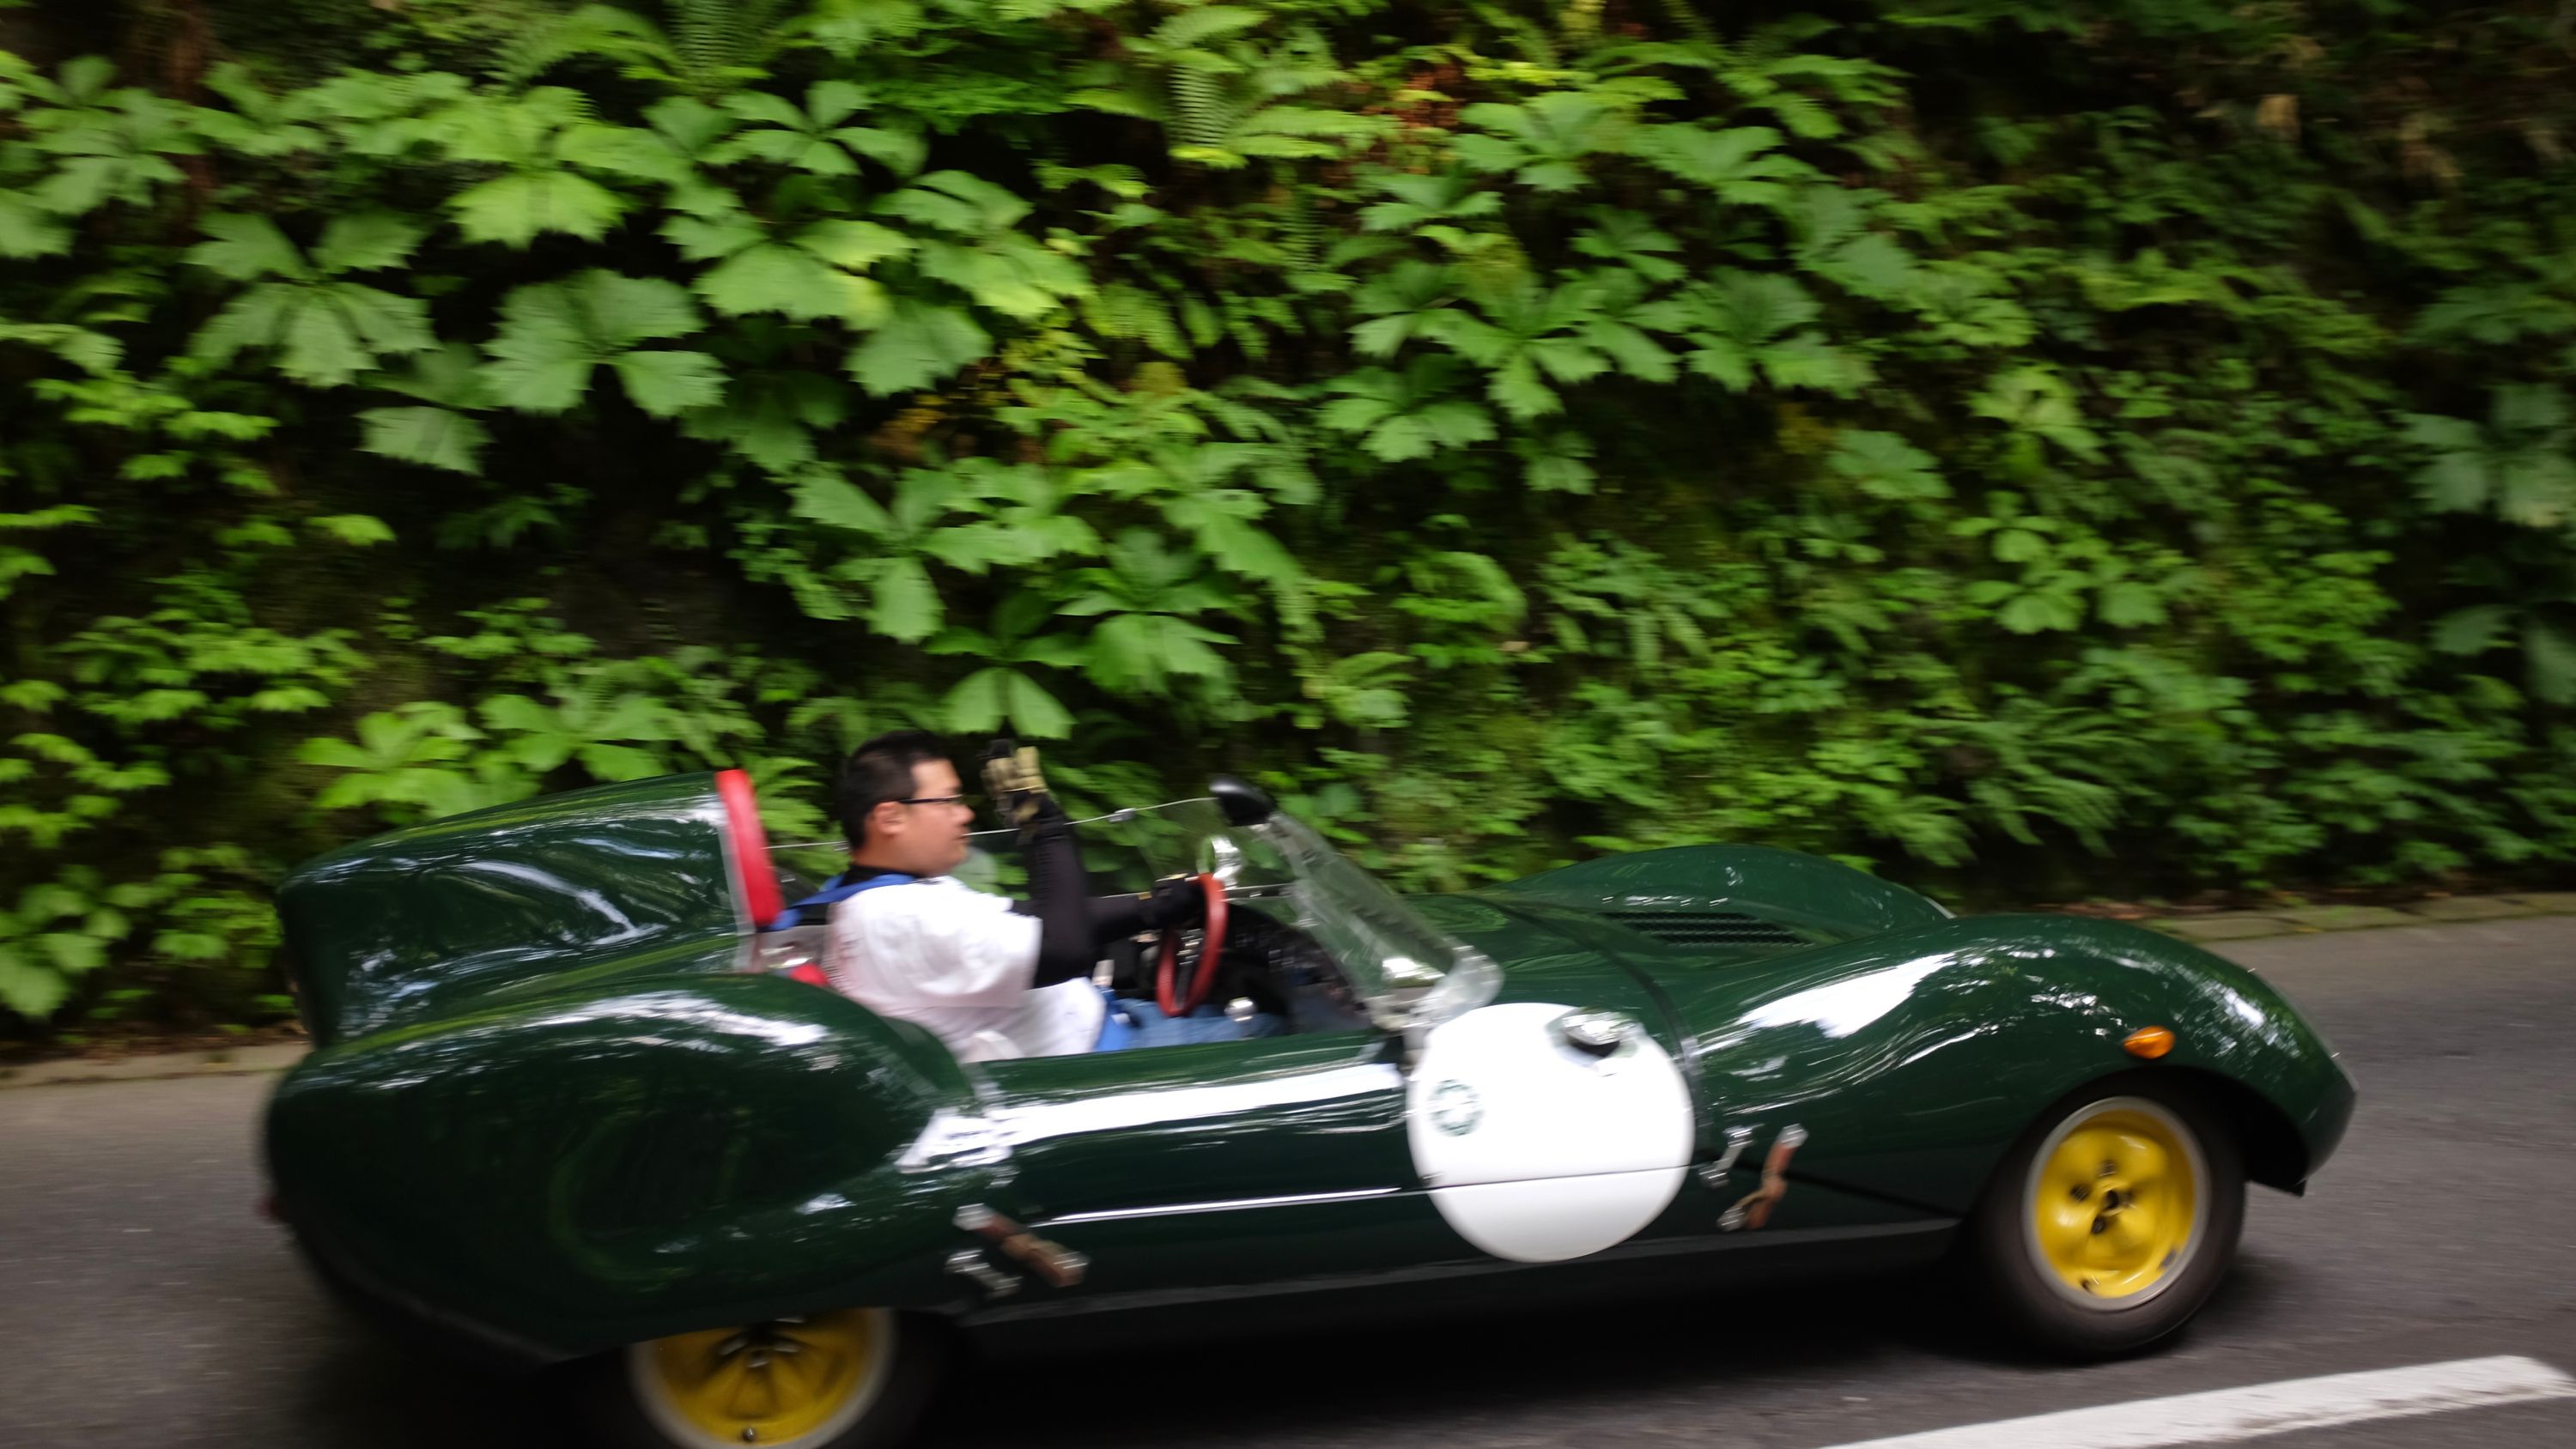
877 771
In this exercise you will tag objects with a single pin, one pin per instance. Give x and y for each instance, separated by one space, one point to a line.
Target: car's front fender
1913 1059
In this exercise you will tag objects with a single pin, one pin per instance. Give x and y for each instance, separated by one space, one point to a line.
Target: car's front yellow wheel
2113 1202
2112 1219
838 1380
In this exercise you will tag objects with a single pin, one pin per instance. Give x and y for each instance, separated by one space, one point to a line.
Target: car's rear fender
567 1173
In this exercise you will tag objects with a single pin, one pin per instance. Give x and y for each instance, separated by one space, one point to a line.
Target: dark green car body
557 1106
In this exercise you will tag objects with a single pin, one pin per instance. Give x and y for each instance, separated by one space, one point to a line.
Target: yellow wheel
822 1381
2113 1203
2112 1219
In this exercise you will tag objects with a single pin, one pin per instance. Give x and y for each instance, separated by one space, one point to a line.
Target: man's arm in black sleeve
1067 947
1072 927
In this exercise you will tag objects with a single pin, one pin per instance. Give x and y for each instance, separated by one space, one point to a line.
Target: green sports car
577 1098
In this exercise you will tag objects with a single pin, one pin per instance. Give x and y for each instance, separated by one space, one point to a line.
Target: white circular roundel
1536 1149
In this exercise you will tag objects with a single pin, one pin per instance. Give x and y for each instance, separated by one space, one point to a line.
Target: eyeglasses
934 800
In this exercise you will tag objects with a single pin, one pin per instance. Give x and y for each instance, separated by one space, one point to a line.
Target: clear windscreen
1408 971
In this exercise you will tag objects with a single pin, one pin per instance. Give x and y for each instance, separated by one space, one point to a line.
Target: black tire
2051 1298
624 1407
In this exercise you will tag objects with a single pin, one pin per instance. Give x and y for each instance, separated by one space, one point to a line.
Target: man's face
926 838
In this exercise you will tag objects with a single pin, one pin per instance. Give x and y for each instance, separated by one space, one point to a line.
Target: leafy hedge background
2031 447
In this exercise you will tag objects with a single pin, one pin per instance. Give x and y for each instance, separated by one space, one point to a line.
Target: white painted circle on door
1535 1150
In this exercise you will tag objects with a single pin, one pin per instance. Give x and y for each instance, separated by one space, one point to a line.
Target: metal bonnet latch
1053 1264
1754 1209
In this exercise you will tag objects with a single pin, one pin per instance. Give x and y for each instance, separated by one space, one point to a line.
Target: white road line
2226 1415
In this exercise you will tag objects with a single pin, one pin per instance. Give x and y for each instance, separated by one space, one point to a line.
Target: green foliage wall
2030 445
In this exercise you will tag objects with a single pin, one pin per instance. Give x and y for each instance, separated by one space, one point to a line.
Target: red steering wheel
1203 975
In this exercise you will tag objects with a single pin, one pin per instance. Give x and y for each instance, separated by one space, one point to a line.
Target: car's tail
410 924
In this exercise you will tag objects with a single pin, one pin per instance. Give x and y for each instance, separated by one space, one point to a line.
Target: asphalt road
144 1303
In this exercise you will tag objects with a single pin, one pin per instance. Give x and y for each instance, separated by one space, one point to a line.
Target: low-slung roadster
570 1102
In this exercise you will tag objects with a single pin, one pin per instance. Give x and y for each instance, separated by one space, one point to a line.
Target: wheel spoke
2124 1242
2079 1158
727 1388
808 1372
2063 1236
2143 1159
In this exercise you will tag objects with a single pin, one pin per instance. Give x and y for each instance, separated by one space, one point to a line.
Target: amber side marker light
2150 1042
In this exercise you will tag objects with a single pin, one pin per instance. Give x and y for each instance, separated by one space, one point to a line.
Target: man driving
991 977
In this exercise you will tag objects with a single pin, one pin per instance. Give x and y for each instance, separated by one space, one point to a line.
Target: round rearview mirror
1242 804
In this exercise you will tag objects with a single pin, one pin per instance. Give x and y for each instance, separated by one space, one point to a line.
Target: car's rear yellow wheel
2112 1219
835 1380
787 1384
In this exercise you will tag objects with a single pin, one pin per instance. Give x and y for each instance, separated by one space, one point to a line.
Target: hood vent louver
1706 928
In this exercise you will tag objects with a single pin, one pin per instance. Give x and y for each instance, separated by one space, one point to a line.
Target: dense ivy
2038 445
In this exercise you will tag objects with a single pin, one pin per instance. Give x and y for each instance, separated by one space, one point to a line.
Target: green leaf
554 333
791 283
705 238
2536 488
2018 545
2037 612
1740 165
356 529
366 242
432 437
2129 604
539 366
852 245
1884 465
2551 656
247 248
1452 424
1035 713
831 500
1146 651
1559 462
34 695
2455 482
956 202
900 152
620 311
1872 266
1012 275
975 706
905 605
31 990
831 102
2472 630
321 347
289 699
918 345
515 209
1516 386
449 376
28 230
72 954
384 322
666 384
620 762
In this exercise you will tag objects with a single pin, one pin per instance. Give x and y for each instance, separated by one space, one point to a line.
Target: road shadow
1156 1385
1144 1381
367 1390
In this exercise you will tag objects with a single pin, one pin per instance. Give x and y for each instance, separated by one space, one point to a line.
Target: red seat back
753 875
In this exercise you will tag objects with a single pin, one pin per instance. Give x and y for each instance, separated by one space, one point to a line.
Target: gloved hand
1019 792
1174 902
